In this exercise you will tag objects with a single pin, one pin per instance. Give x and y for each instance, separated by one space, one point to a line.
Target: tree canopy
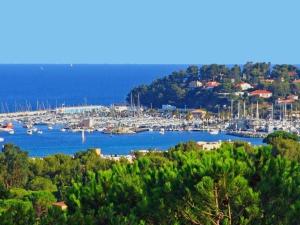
235 184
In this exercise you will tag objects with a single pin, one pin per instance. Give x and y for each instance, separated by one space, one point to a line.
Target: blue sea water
54 141
22 86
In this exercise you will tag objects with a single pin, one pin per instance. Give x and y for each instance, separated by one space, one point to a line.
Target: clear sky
149 31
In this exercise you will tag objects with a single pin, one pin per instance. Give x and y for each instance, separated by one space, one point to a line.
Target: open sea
22 86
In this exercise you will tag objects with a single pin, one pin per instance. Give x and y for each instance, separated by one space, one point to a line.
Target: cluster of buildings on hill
244 88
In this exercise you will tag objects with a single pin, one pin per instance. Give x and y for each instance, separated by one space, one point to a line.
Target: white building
244 86
195 84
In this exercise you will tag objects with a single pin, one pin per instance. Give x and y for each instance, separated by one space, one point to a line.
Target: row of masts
283 111
28 106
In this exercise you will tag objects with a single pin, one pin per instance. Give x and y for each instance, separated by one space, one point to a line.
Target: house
244 86
209 145
195 84
296 81
285 101
295 97
261 93
61 205
212 84
292 73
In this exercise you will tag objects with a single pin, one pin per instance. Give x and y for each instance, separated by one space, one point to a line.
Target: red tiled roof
212 84
258 92
292 73
285 100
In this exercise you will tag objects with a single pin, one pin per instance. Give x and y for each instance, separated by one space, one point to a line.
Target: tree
41 183
15 166
280 134
16 212
41 201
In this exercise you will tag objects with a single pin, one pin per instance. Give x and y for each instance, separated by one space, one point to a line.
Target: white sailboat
82 136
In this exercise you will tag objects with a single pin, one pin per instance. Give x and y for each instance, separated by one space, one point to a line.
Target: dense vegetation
175 89
236 184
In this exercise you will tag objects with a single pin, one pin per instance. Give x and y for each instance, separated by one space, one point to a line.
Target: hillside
213 86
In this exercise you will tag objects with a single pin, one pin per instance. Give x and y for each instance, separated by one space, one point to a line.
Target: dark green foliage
175 89
14 166
280 134
16 212
236 184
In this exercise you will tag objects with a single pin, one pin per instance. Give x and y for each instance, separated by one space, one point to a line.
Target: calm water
23 85
55 141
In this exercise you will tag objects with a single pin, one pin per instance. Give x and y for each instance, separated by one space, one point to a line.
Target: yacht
1 139
162 131
29 132
214 132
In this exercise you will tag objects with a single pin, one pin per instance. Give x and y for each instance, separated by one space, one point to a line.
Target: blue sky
149 31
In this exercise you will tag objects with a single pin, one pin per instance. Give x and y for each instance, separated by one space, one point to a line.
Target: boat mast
244 109
238 115
257 112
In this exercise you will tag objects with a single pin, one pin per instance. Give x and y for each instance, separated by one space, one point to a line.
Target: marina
54 141
115 130
119 129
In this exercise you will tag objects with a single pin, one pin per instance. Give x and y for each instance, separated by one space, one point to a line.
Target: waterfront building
87 123
120 108
80 109
198 113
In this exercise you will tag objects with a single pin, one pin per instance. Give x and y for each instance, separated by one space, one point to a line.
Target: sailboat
82 136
